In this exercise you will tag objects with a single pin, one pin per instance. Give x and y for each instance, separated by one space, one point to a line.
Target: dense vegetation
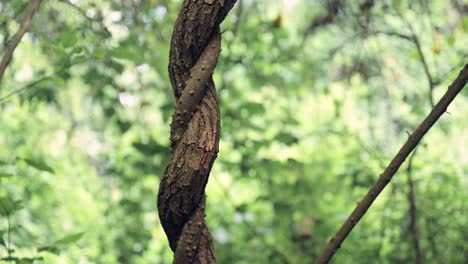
315 99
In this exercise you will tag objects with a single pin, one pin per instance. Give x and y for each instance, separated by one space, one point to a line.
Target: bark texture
195 129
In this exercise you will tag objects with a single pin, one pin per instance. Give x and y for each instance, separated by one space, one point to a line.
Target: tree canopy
315 99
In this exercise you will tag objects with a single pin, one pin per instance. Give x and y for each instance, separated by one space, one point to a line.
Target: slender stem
413 140
413 38
81 11
417 44
9 238
18 36
423 61
413 227
33 83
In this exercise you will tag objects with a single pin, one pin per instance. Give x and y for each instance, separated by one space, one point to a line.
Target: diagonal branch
81 11
332 10
34 6
335 242
36 82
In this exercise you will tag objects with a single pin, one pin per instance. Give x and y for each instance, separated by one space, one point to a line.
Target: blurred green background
315 99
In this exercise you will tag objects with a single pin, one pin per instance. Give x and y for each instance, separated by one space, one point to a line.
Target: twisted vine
195 128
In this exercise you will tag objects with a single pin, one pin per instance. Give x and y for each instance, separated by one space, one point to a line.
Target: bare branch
413 140
423 61
415 40
36 82
33 7
81 11
413 228
332 9
97 20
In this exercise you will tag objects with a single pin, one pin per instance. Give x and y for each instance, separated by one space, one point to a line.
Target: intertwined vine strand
195 128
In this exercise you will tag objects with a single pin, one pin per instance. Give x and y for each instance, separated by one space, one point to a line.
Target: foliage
309 120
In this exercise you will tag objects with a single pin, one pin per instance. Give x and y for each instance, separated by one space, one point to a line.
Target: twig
413 228
18 36
415 40
393 34
439 109
9 249
423 61
81 11
32 84
99 20
430 237
333 8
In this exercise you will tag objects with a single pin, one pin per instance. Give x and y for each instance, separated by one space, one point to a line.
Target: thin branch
393 34
413 38
81 11
434 81
36 82
9 249
136 8
18 36
423 61
413 228
333 8
98 20
413 140
430 237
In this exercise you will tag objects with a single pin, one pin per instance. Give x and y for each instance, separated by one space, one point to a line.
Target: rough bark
195 129
33 7
335 242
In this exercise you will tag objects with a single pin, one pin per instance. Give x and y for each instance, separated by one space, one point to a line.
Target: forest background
315 97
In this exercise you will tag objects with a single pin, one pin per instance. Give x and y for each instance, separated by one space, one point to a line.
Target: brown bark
195 129
413 140
33 7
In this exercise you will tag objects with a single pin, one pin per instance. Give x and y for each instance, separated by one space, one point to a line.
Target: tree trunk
195 128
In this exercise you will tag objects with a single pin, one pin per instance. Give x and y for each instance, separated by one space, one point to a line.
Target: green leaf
149 148
51 249
28 260
99 53
68 39
68 239
118 67
5 175
10 259
287 138
254 108
78 50
464 24
80 58
38 164
9 206
124 53
451 39
2 241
